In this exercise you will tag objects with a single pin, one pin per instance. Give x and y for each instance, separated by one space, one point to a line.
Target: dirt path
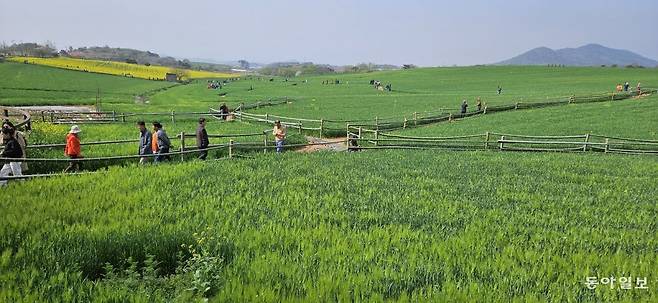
333 144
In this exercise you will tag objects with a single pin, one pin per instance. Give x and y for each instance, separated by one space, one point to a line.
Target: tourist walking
12 150
72 149
21 141
160 143
144 142
279 133
202 141
464 106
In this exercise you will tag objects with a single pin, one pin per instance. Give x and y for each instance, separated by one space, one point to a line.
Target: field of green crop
432 89
366 226
633 118
23 84
476 226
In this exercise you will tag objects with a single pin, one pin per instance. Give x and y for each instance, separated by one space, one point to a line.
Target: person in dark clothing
500 90
144 142
464 106
12 150
160 143
202 141
626 86
223 111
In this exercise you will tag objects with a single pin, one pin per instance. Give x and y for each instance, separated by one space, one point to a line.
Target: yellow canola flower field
119 68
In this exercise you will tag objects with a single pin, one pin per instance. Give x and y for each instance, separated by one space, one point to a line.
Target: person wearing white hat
72 149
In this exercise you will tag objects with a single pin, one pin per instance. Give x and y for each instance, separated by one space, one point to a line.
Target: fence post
230 148
485 111
173 117
502 138
265 141
43 116
267 118
516 105
405 123
182 146
450 117
612 98
586 141
321 127
376 137
377 123
415 118
123 117
114 115
486 142
359 132
52 117
607 145
300 127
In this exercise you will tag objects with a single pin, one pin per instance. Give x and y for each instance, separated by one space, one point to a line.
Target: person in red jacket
72 149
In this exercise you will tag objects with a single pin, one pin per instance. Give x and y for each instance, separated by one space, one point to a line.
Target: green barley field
369 226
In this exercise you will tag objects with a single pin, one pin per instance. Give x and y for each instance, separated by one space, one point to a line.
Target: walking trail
333 144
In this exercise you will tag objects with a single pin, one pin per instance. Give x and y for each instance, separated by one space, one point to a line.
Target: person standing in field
144 142
72 149
618 88
639 88
12 150
464 106
279 133
202 141
223 111
479 104
626 86
160 143
499 90
21 141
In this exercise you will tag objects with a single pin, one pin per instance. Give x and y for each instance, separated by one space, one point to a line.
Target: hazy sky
421 32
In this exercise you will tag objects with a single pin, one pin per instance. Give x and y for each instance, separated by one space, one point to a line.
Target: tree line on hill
127 55
293 69
133 56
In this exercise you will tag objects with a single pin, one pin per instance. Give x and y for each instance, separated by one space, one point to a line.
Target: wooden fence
363 139
337 127
24 117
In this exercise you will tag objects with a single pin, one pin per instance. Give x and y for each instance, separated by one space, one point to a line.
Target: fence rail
360 138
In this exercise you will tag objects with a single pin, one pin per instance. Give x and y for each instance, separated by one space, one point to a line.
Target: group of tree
45 50
292 69
127 55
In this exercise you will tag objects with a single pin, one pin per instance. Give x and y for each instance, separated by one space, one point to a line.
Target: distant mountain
587 55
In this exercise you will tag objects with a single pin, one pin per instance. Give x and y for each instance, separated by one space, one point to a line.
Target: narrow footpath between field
332 144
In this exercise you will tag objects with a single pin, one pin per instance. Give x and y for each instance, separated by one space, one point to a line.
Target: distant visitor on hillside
499 90
618 87
160 143
279 133
639 88
12 149
479 104
72 149
464 106
626 86
144 142
202 141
